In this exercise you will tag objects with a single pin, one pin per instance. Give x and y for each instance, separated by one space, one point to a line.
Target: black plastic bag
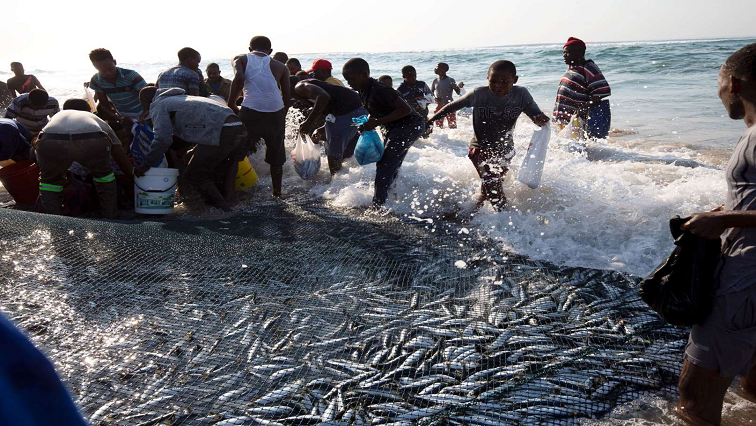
680 289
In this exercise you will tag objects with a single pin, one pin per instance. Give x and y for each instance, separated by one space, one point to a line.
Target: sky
60 32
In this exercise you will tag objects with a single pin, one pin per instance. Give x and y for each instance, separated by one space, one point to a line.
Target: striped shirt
124 93
578 86
180 77
33 119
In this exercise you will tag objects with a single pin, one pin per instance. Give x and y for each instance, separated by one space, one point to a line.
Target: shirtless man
22 83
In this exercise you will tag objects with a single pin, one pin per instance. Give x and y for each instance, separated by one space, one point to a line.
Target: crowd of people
205 114
205 126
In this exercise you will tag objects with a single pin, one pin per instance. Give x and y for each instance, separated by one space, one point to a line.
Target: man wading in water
724 344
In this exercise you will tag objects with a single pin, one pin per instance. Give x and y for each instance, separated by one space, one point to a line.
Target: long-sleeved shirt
14 138
33 119
579 84
194 119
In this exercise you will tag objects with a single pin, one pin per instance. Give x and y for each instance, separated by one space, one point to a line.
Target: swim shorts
270 127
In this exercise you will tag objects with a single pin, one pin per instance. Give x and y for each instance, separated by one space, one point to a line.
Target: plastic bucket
245 176
22 181
154 192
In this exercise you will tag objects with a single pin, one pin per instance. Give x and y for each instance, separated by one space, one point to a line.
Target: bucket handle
148 190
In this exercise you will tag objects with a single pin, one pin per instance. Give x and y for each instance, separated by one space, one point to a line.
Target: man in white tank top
267 98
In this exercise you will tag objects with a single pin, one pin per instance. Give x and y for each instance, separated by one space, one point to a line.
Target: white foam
610 214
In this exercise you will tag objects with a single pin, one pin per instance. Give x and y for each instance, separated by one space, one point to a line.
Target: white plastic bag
306 157
532 166
574 130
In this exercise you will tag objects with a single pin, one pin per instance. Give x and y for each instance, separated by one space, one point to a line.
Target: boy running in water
495 111
442 88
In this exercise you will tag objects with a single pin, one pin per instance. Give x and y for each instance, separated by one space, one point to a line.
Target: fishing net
295 313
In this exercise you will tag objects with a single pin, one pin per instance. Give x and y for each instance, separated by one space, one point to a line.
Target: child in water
496 108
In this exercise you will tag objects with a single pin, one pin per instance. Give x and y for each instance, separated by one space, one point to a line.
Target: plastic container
154 193
22 181
245 176
532 165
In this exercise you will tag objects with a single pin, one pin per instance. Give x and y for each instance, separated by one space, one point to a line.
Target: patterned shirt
180 77
33 119
578 86
124 93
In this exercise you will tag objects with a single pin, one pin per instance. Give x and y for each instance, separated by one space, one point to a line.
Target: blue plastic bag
140 145
369 148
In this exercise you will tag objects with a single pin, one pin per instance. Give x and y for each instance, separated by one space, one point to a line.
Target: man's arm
401 110
162 127
12 88
240 66
283 81
711 225
37 83
105 109
321 97
454 106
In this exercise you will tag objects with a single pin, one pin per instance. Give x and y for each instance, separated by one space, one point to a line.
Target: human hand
541 120
234 108
141 169
127 122
370 125
461 85
305 128
709 225
472 151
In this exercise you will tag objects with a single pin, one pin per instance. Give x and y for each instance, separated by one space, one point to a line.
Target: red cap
320 64
572 41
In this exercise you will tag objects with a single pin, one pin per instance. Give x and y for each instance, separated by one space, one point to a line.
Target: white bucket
155 191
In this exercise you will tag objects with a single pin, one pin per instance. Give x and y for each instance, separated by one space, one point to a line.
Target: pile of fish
412 337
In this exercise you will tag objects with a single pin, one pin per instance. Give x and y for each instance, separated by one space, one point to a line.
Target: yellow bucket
245 176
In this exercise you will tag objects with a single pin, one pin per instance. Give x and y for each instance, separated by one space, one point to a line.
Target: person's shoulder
128 73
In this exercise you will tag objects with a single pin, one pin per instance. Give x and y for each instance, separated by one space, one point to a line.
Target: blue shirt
30 391
124 93
14 138
179 77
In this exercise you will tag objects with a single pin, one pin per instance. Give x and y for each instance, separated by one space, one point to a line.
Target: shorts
341 134
599 120
269 126
726 339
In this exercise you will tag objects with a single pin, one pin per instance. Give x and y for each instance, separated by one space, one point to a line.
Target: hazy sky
46 31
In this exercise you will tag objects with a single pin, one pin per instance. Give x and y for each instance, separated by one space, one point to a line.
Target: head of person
260 44
737 82
189 58
104 63
17 68
573 51
146 95
409 74
294 66
356 72
386 79
76 105
213 72
38 99
441 69
303 75
281 57
321 69
502 76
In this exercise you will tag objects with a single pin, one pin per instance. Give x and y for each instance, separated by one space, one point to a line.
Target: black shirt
378 99
343 100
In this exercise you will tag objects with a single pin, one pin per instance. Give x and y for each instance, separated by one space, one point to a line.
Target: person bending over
402 126
75 134
116 89
33 109
219 134
496 108
339 105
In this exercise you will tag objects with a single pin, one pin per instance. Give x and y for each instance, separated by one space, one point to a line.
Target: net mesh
295 313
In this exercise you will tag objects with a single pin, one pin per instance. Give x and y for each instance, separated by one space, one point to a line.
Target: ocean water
606 207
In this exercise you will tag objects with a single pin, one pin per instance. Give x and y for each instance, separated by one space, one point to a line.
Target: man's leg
748 384
94 154
398 143
452 119
334 164
440 123
53 161
275 151
702 392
